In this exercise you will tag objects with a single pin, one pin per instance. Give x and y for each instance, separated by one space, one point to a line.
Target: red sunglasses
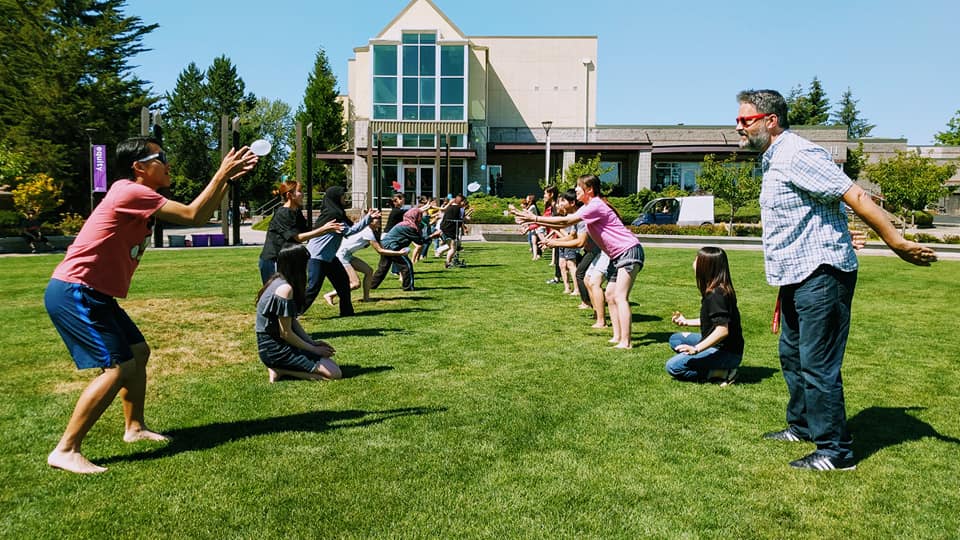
747 121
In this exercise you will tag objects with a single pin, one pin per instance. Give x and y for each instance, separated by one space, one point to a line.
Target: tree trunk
733 212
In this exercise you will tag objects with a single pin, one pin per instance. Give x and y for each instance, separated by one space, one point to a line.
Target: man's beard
758 142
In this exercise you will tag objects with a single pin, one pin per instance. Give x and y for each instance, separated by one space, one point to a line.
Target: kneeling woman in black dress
284 347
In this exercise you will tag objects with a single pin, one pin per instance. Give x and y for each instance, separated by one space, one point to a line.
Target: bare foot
328 299
367 299
575 293
599 324
566 291
272 375
584 306
614 339
73 462
135 435
623 346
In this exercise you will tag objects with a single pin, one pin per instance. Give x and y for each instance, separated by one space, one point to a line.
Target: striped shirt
804 225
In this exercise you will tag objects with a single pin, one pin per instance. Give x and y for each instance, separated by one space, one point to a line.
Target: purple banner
100 168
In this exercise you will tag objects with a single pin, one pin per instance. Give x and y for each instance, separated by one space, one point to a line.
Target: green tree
188 133
65 69
729 180
809 109
13 166
321 107
856 159
848 114
951 136
909 181
567 179
273 121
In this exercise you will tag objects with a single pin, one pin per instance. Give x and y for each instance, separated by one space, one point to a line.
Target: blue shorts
630 260
95 329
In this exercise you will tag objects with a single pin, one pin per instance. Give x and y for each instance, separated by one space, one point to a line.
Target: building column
569 158
644 170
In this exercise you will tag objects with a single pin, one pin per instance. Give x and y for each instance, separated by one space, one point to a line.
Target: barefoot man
80 297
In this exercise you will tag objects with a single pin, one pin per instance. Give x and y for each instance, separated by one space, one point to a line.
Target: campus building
433 111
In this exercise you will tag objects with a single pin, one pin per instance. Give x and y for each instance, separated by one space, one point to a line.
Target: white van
694 210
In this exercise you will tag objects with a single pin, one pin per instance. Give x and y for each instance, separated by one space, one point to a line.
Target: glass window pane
428 38
384 89
385 112
384 59
428 90
426 141
428 112
410 89
410 141
389 139
411 38
410 112
428 60
451 113
411 61
451 60
451 91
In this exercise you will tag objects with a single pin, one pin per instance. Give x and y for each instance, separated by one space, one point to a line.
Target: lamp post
547 124
587 62
90 132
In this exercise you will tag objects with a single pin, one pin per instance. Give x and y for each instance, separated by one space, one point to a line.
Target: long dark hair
292 268
713 272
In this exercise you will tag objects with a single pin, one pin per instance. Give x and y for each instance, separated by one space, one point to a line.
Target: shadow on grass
363 332
754 374
471 265
446 288
653 338
643 317
372 312
213 435
876 428
350 371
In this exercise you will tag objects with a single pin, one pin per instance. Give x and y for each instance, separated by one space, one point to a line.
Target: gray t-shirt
270 307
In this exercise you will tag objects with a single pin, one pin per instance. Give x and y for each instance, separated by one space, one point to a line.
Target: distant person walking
809 255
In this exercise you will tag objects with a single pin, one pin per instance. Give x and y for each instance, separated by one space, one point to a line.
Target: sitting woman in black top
284 347
716 353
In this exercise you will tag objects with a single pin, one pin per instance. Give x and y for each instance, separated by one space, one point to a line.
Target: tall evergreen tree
847 113
321 107
64 70
188 134
810 109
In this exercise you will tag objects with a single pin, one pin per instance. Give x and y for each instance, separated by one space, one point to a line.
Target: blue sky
665 62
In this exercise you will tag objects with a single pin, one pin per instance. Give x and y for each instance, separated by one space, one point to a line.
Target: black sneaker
787 435
820 462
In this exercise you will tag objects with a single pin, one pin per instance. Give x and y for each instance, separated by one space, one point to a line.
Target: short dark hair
129 151
767 102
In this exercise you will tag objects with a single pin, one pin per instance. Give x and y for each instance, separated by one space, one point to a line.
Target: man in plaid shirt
809 254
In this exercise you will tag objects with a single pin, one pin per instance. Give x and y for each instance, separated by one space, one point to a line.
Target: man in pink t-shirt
607 231
98 267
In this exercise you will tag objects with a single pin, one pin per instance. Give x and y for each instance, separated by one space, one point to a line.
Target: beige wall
532 79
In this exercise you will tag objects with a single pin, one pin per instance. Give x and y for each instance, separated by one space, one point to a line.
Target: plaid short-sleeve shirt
804 225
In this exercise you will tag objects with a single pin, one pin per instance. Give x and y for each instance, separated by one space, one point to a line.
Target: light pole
90 132
547 124
587 62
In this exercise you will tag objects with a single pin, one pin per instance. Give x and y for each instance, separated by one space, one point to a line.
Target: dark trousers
556 263
316 271
406 271
582 267
815 317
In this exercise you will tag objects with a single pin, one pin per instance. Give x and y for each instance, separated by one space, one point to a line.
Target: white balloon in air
261 147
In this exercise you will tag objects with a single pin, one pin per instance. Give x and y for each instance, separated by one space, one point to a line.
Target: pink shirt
108 249
605 228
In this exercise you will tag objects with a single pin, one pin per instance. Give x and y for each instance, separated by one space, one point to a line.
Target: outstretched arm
234 165
912 252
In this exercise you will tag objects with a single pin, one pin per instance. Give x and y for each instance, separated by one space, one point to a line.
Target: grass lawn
480 406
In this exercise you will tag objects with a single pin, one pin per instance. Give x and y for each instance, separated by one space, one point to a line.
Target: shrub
70 224
926 238
490 209
923 220
951 239
9 223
